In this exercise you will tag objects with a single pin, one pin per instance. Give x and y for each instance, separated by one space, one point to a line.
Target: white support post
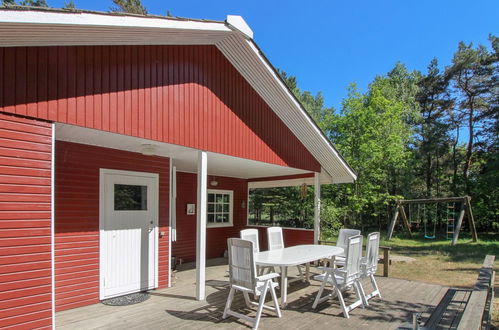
201 225
317 208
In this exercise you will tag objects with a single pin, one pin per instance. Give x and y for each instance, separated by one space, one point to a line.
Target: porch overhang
185 159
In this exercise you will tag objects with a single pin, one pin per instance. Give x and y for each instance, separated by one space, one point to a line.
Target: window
130 197
219 212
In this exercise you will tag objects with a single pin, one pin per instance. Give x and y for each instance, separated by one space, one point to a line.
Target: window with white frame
220 205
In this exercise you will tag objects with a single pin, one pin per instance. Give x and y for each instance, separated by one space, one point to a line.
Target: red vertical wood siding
186 95
77 217
25 218
216 238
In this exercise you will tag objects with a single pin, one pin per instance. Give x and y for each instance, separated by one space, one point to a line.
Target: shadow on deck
177 307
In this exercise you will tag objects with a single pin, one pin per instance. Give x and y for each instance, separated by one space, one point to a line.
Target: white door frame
155 176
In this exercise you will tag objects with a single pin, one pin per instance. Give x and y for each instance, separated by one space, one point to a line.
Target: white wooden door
128 232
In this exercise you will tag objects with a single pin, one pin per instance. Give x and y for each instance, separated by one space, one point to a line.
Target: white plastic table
292 256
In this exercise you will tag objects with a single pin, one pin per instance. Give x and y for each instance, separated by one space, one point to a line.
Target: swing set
425 214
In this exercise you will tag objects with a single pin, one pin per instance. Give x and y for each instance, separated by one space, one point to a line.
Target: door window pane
130 197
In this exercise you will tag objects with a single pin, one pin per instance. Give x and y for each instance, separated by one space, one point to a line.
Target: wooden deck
176 307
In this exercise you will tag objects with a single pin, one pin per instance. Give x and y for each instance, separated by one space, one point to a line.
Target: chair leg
300 272
375 285
229 302
362 294
260 305
246 299
342 302
276 302
319 294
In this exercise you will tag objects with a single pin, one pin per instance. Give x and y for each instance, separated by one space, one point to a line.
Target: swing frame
465 209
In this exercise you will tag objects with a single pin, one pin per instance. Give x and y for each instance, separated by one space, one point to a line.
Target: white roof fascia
89 19
240 24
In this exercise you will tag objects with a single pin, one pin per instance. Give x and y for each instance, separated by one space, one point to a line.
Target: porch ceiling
185 159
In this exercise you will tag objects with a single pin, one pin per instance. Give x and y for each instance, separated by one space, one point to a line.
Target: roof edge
278 77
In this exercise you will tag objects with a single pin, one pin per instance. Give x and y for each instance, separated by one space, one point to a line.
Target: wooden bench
478 311
385 259
466 309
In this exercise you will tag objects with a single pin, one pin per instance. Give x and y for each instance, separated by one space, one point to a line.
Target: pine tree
8 3
69 5
129 6
432 132
472 73
34 3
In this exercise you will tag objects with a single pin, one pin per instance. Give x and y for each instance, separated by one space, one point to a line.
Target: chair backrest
242 268
344 235
372 252
274 238
353 256
251 235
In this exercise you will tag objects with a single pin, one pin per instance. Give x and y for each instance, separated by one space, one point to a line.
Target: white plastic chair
252 235
342 279
243 277
274 238
369 264
342 242
276 241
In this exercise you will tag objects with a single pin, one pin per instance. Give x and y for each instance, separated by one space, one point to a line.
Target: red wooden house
127 140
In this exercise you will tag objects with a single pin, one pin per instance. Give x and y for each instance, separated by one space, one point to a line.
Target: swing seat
430 237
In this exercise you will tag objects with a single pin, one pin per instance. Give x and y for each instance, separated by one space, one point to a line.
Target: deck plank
177 308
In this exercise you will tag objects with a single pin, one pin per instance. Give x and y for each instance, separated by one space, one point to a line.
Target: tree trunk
454 162
469 149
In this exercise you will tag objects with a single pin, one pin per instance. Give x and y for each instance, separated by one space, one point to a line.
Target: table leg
307 271
284 286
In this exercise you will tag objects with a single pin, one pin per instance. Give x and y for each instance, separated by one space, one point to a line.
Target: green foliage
129 6
404 138
34 3
313 104
8 2
282 206
69 4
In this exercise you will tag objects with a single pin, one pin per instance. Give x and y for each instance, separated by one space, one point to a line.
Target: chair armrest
333 270
267 276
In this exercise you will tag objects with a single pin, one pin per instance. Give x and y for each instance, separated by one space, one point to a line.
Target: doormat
129 299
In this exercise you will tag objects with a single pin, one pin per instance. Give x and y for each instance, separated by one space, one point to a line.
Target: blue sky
329 44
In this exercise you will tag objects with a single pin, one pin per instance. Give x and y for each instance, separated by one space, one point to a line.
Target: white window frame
231 209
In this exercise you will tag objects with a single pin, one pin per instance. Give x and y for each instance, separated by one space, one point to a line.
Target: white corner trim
170 223
240 24
52 224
